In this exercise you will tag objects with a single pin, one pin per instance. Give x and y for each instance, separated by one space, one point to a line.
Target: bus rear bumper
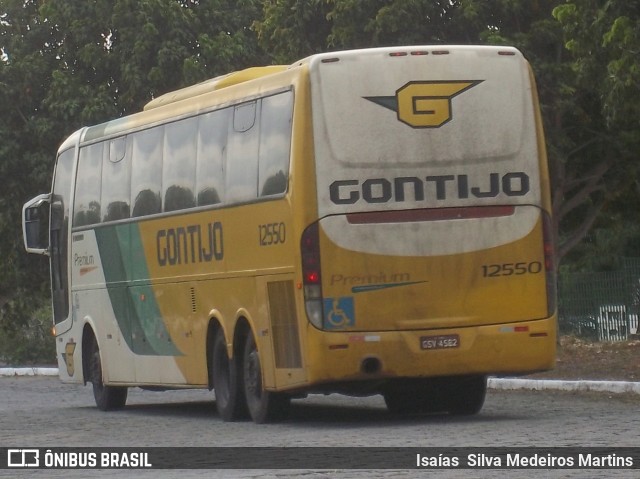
503 349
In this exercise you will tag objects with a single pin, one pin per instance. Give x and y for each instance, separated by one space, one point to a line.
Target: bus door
59 240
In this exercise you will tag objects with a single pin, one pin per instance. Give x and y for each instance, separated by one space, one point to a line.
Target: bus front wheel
108 398
264 406
226 381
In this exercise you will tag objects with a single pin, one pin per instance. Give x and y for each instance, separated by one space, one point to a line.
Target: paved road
42 412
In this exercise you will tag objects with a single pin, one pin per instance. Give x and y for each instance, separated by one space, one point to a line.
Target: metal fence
601 306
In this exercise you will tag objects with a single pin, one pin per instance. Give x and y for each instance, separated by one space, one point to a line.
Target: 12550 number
510 269
272 234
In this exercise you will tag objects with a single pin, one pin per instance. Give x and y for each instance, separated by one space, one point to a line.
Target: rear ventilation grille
286 341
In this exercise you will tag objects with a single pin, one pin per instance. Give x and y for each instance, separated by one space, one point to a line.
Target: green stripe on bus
135 306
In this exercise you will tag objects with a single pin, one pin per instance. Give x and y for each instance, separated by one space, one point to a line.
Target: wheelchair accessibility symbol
339 313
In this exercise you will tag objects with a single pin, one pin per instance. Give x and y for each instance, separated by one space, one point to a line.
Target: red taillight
311 277
310 250
548 255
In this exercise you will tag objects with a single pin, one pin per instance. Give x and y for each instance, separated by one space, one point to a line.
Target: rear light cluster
418 53
311 274
549 262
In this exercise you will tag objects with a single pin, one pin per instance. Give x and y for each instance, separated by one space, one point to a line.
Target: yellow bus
371 221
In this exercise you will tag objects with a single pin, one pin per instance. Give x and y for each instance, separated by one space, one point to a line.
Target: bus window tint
116 189
212 147
275 143
86 210
179 165
242 156
146 174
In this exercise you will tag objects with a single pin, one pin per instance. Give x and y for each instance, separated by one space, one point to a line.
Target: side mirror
35 239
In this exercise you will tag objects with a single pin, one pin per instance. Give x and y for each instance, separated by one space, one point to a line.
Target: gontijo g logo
424 104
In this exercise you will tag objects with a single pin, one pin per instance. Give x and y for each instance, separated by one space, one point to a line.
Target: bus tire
226 381
466 395
411 397
456 395
108 398
264 406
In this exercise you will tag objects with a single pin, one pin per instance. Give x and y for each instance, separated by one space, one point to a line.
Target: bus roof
416 50
180 102
153 111
214 84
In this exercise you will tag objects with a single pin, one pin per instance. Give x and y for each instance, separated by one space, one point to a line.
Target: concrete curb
616 387
28 371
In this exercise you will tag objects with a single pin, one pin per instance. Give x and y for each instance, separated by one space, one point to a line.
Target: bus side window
241 178
86 208
116 180
146 171
179 164
212 148
275 143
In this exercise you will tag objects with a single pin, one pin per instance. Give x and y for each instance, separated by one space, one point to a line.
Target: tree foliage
27 135
603 41
68 63
583 52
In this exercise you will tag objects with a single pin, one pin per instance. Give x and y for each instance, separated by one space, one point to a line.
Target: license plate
443 341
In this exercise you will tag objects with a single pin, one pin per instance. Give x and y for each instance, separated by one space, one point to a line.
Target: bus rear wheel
467 394
412 397
108 398
226 381
456 395
264 406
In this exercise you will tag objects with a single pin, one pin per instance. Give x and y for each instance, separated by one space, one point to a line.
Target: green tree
69 63
292 29
24 162
115 56
583 53
603 39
